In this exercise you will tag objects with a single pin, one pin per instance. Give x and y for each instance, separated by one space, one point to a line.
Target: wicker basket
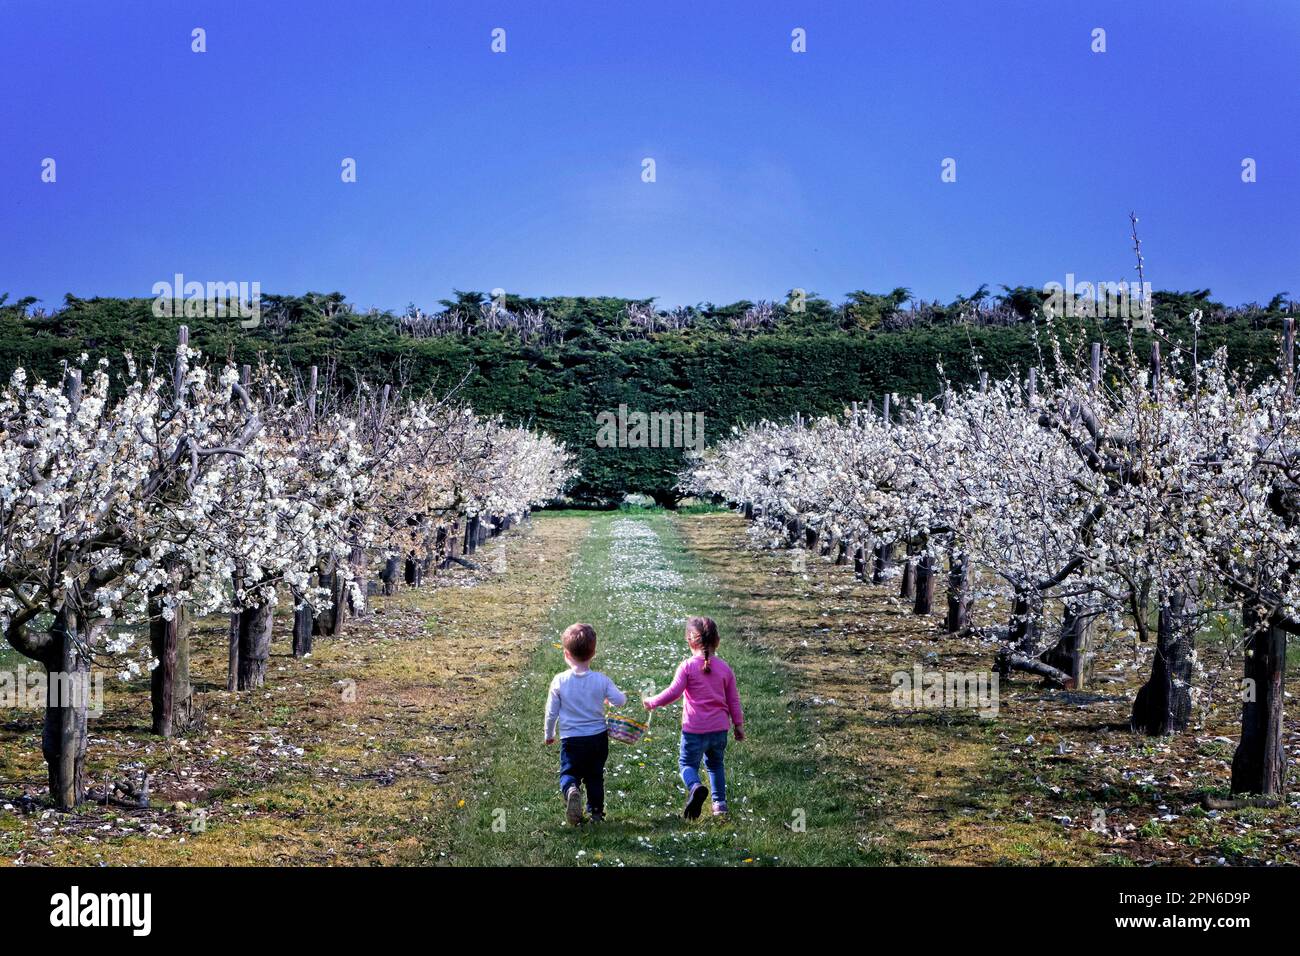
625 729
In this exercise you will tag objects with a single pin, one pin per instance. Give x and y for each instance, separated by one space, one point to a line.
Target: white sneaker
573 805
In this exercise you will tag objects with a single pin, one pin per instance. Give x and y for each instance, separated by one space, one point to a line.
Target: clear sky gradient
522 170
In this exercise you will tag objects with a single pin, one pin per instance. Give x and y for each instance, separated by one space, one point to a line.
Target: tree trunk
880 563
232 666
959 596
1072 653
1259 765
392 567
842 552
304 620
809 538
924 584
827 542
907 583
329 620
471 535
793 531
860 562
1021 625
413 572
255 624
67 693
356 591
169 684
1164 703
1022 632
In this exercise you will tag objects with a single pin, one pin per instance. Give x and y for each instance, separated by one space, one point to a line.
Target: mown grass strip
635 582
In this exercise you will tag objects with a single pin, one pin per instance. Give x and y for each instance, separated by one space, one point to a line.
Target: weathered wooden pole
1288 354
1096 367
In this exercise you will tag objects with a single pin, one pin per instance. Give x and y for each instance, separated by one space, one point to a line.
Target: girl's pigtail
703 631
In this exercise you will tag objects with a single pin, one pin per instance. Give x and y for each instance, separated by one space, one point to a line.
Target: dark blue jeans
582 760
711 747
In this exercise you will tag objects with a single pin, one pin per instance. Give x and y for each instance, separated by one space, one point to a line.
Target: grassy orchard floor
293 774
945 787
636 582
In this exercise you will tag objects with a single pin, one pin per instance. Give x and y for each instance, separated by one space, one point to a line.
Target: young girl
712 706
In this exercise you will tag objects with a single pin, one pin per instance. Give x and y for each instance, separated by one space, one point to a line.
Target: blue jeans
582 760
711 747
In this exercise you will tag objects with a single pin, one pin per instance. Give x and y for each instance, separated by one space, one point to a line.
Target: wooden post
1096 366
1155 368
1288 355
311 397
178 374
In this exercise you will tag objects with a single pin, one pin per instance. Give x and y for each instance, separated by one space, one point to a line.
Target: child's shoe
699 793
719 808
573 805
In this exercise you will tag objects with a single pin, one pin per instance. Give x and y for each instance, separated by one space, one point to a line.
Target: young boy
576 701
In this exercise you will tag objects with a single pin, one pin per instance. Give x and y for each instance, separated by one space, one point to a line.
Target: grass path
636 581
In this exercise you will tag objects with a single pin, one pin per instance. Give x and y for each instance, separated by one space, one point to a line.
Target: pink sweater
711 704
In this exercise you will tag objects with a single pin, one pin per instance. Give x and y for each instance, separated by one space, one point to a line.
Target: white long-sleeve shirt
576 701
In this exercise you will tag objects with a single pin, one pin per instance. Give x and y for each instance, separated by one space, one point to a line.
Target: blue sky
522 170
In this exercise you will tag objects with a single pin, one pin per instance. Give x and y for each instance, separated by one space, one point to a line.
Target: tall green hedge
563 387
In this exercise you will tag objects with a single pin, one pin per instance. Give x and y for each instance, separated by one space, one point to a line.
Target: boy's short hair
580 641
